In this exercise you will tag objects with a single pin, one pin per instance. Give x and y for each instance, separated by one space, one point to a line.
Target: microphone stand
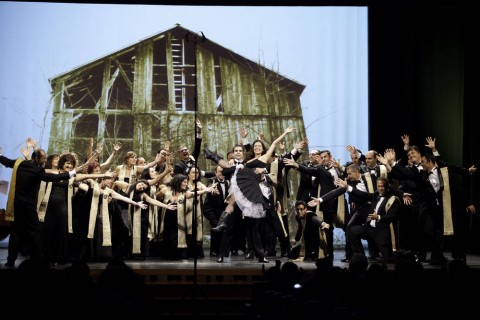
195 199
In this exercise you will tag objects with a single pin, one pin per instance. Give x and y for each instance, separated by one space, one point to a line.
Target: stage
209 289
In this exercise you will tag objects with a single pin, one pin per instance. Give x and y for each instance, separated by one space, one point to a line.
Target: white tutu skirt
250 199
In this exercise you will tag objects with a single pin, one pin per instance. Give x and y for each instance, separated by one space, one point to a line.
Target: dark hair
238 145
146 174
353 167
429 157
385 181
300 202
67 157
48 164
136 194
37 155
176 183
414 148
91 166
251 153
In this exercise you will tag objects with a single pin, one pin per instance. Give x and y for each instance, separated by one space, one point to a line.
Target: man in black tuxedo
306 187
21 208
213 207
187 160
322 182
425 210
230 225
384 210
307 235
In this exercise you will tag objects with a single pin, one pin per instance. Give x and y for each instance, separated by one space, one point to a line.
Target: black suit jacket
214 204
306 187
181 167
386 216
29 175
325 180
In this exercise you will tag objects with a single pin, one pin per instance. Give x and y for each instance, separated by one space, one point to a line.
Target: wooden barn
146 94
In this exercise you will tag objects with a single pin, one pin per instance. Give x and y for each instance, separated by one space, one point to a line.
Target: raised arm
268 154
116 147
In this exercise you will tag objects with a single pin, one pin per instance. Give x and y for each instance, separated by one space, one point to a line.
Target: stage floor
232 265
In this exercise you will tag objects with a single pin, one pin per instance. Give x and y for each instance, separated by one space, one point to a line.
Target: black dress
246 188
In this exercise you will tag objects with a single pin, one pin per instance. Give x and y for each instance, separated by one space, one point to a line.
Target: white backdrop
323 48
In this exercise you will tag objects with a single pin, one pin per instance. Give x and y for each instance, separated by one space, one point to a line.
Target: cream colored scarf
93 210
136 226
43 198
447 203
152 216
69 204
106 228
9 213
390 201
122 174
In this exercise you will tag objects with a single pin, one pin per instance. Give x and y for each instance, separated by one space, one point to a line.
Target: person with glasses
187 160
307 236
322 175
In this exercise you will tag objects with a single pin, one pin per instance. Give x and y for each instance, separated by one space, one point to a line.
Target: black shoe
210 155
439 261
263 260
220 259
421 257
345 260
10 264
461 257
374 256
222 223
234 253
271 253
250 255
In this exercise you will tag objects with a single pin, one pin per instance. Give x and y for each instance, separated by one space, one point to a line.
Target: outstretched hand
142 205
314 202
431 143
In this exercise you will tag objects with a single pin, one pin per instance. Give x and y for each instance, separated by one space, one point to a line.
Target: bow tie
354 183
222 182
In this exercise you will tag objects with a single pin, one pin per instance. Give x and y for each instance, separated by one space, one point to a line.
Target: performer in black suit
307 187
186 159
425 207
323 183
383 211
231 225
213 207
307 235
22 199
